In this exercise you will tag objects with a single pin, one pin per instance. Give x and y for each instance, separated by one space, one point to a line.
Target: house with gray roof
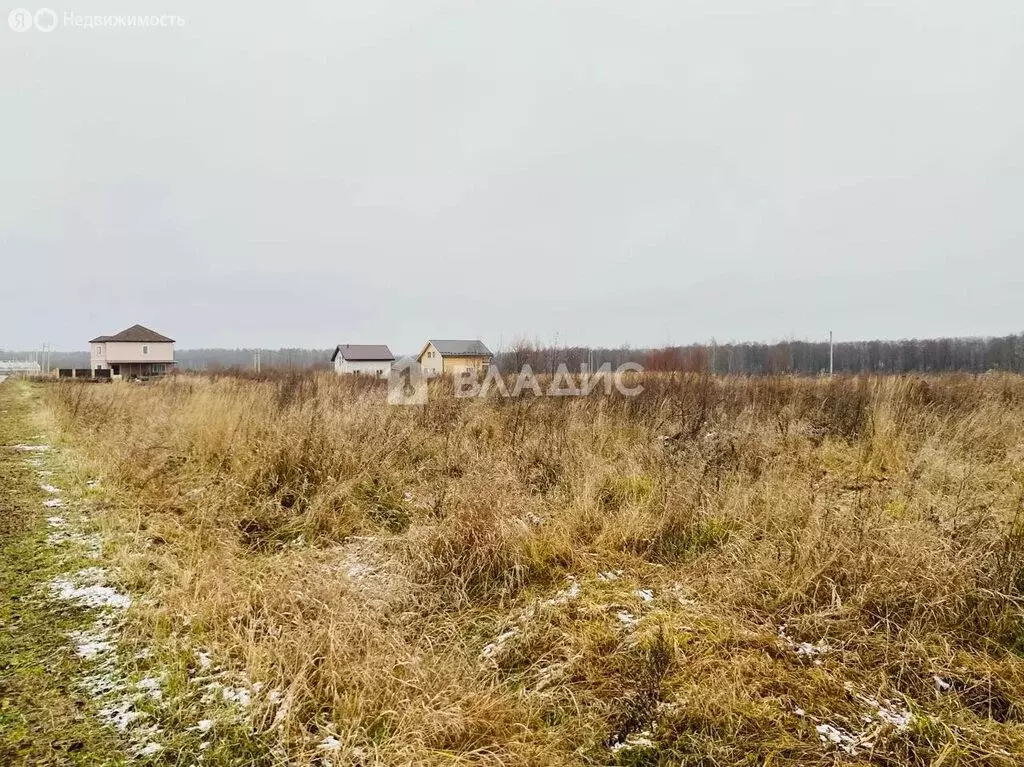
453 357
363 359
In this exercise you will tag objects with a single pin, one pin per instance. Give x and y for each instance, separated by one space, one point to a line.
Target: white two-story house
134 352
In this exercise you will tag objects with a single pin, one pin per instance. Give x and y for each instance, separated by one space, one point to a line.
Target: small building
136 352
363 359
453 357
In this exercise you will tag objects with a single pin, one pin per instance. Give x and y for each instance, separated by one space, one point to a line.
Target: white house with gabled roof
363 359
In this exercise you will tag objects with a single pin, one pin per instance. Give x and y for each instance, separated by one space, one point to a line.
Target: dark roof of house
460 348
363 353
135 334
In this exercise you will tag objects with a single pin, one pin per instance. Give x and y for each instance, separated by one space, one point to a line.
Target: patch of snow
31 448
646 595
609 575
104 681
90 542
838 737
549 675
59 522
806 648
93 642
886 712
237 695
91 574
151 685
494 648
359 570
283 710
149 749
330 743
53 503
562 597
940 684
92 483
901 719
626 618
803 648
146 732
639 740
90 650
121 714
89 596
49 489
204 725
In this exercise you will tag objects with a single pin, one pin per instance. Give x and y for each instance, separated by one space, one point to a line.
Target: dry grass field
719 571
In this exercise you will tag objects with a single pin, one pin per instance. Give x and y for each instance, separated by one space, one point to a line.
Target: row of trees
221 359
202 359
972 355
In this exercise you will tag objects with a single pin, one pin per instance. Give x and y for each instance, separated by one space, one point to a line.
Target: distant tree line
935 355
221 359
204 359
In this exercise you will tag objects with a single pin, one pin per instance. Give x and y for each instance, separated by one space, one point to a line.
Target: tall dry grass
364 559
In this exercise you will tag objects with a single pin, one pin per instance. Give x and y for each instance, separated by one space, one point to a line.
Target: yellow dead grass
586 581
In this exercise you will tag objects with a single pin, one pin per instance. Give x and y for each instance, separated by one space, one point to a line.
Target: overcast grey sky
601 172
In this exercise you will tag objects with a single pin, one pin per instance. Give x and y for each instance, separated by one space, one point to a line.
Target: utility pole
831 358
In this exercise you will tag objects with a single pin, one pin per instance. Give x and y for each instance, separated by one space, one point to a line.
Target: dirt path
46 714
77 687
